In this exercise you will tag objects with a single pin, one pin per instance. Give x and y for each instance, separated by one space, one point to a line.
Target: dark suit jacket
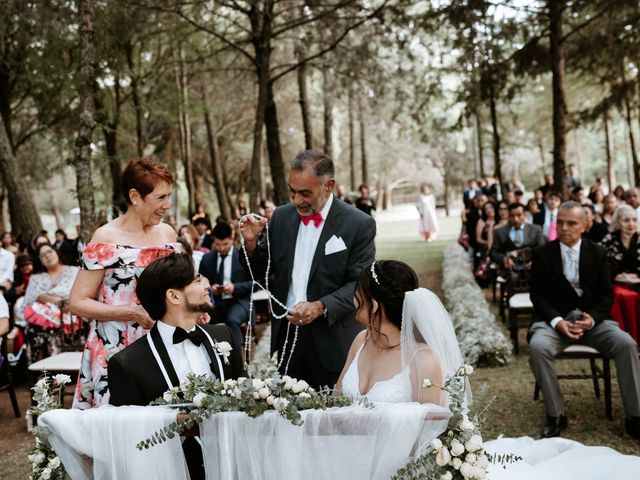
239 276
539 216
552 295
332 277
207 241
503 244
135 377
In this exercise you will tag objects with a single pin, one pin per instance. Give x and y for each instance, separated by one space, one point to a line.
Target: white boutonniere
224 349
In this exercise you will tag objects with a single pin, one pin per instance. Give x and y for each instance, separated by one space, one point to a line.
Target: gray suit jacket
332 277
502 243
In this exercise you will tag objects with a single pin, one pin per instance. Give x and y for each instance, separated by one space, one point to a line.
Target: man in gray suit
515 236
319 246
571 294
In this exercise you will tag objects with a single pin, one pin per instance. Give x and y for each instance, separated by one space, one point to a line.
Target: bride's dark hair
385 281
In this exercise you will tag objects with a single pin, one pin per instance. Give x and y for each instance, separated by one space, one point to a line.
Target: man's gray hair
570 205
319 162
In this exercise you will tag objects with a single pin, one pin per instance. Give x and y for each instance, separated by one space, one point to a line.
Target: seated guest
531 210
7 264
203 226
514 236
608 209
190 235
44 302
473 216
623 250
571 295
594 231
64 247
503 215
229 280
547 217
632 197
24 270
364 202
484 233
10 243
172 293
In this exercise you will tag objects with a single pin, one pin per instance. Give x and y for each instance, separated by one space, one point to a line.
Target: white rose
471 458
197 400
304 395
300 386
457 448
46 473
456 462
474 443
466 469
468 369
443 457
241 379
62 379
257 384
446 476
280 404
167 397
237 393
31 458
483 461
478 473
38 458
224 347
230 383
289 384
436 444
286 378
426 383
264 392
270 399
54 463
256 396
466 424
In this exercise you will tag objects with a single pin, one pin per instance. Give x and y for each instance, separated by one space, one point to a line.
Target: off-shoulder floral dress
122 265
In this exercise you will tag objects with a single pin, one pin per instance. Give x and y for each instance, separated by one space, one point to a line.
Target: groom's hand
304 313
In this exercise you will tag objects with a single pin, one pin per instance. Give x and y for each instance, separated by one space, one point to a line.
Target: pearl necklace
248 339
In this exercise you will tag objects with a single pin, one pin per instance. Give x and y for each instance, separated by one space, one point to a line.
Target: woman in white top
409 338
427 208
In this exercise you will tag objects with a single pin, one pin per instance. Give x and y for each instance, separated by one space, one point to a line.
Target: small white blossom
224 347
54 463
256 396
446 476
230 383
167 397
237 393
197 400
289 384
270 399
304 395
466 470
39 458
436 444
466 424
286 378
478 473
300 386
471 458
31 458
62 379
443 457
483 461
468 369
257 384
474 443
264 392
280 404
426 383
46 473
456 462
457 448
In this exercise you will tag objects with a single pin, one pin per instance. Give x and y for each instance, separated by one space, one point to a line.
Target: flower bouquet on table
47 394
458 452
200 397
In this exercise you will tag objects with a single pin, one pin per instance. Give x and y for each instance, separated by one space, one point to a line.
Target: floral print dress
122 265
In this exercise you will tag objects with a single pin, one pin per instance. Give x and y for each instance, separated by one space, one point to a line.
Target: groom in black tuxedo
173 294
319 246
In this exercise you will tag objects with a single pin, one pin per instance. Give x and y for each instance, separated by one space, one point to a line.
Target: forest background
226 92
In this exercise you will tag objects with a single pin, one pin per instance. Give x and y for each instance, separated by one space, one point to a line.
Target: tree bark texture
216 160
135 97
352 141
327 83
480 144
363 141
280 188
608 137
304 100
559 102
497 162
632 141
25 220
82 156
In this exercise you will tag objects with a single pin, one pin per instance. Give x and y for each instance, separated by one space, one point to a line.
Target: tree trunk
3 195
497 162
352 140
541 152
608 137
480 145
263 172
632 141
304 100
447 180
381 198
216 161
280 188
327 83
363 142
184 123
262 72
82 157
135 97
559 104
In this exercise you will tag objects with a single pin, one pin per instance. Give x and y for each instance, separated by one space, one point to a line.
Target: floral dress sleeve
99 256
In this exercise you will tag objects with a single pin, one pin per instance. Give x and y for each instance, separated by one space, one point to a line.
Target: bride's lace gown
394 389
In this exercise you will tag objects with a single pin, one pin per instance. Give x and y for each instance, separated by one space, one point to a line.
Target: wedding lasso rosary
248 339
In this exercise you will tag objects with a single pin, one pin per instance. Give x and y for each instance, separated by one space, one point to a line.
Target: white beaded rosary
248 340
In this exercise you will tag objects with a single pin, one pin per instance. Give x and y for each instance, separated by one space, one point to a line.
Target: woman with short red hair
112 261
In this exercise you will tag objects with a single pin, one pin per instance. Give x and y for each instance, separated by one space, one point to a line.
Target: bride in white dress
409 337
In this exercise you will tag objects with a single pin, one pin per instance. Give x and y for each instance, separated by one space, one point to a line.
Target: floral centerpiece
458 453
47 393
200 397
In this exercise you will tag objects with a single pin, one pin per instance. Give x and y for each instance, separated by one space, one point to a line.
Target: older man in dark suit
572 294
319 246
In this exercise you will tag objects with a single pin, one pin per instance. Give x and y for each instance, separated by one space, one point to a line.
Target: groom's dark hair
386 281
172 271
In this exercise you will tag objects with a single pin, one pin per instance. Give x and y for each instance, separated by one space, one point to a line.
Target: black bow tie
196 336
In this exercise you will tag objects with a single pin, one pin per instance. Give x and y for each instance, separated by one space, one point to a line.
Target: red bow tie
317 219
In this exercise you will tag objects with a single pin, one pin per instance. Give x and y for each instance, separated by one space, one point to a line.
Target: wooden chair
6 370
65 362
518 303
584 352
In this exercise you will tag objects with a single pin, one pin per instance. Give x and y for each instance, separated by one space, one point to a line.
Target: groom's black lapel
212 355
164 355
294 225
328 230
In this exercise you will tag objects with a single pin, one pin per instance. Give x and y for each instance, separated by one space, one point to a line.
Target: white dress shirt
227 270
185 356
571 270
7 262
306 243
